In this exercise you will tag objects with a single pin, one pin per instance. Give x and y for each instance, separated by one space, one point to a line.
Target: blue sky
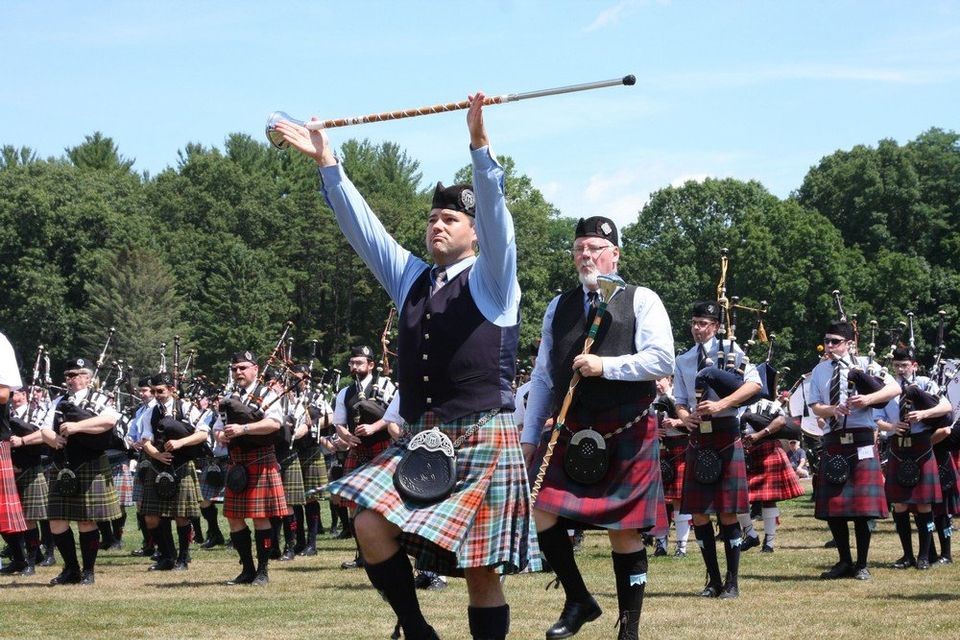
752 90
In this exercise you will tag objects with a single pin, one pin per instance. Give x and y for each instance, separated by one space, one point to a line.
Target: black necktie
439 278
835 390
701 357
593 302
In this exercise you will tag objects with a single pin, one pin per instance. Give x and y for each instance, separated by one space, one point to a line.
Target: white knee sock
682 522
771 518
746 524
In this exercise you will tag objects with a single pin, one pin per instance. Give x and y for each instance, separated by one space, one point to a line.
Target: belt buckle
846 438
706 427
906 442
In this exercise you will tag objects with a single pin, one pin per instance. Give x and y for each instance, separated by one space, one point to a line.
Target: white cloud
611 15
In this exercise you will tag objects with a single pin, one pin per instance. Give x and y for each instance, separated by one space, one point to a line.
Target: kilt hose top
484 522
263 497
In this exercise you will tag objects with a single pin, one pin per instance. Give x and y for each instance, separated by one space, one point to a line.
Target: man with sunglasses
850 435
633 348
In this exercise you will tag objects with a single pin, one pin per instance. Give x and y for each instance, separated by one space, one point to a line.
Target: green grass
781 597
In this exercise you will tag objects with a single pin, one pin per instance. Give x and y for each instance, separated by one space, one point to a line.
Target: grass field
781 597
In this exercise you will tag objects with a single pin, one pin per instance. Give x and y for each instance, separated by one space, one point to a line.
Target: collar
586 290
709 346
455 269
366 381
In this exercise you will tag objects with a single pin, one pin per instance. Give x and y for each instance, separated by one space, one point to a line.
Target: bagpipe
176 425
913 397
860 380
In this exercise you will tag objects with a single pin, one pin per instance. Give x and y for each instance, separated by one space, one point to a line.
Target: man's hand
231 431
839 410
314 144
172 445
528 451
68 428
345 436
901 428
918 415
711 407
858 401
163 456
690 421
478 133
366 430
589 365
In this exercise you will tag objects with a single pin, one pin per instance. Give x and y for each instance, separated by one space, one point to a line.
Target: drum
800 410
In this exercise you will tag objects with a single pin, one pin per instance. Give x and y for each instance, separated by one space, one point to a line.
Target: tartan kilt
730 493
862 495
927 491
314 469
292 476
123 482
34 492
630 496
950 505
263 497
208 491
771 476
361 455
186 504
484 522
136 493
97 499
675 452
11 512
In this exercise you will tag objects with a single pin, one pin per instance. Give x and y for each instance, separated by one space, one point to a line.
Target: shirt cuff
332 175
483 158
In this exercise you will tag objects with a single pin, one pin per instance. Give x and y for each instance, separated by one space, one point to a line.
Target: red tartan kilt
359 456
11 513
771 475
263 497
729 494
950 504
630 496
927 491
674 451
862 495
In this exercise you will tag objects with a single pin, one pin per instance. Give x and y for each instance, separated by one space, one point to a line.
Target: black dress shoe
86 577
243 578
749 542
275 553
181 565
141 553
212 541
356 563
162 565
861 573
574 616
48 560
67 576
343 535
729 592
310 550
923 564
711 591
21 568
288 554
904 563
261 578
944 560
839 570
830 544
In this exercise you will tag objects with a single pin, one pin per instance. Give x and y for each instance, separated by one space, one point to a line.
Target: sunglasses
833 341
72 374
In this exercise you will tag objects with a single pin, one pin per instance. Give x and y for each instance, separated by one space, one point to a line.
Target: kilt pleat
11 511
630 496
950 505
484 522
123 482
674 451
730 493
34 492
364 453
927 491
314 469
771 476
186 502
208 491
292 476
97 499
862 495
263 497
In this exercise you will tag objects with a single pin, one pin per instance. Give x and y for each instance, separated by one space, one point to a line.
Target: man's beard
589 279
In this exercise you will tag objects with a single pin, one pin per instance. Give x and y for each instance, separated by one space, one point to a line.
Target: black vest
615 337
452 360
357 415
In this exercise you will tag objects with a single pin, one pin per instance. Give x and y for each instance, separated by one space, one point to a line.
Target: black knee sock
732 536
106 532
300 531
489 623
242 545
334 515
344 516
841 535
630 571
31 538
89 545
161 542
197 529
944 533
275 523
213 526
289 530
46 536
861 529
312 513
264 538
184 534
708 547
68 550
901 520
17 546
394 579
925 528
118 526
556 548
149 540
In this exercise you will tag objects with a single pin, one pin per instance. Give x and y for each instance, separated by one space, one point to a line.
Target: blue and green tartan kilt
186 502
123 482
862 495
314 469
292 476
97 499
630 496
927 491
949 474
484 522
34 492
729 494
208 491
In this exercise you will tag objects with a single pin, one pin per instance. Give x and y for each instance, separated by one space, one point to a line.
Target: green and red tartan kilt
314 469
34 492
862 495
263 497
208 491
123 482
771 476
729 494
674 451
630 496
136 491
186 502
11 512
927 491
948 464
361 455
292 476
484 522
97 499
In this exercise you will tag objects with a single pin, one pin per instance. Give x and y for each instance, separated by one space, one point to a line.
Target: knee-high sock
106 533
46 536
841 535
901 521
275 524
394 579
67 548
197 529
682 522
746 525
184 535
312 512
557 549
161 542
925 528
732 537
290 530
489 623
242 544
17 546
149 541
31 539
944 533
301 533
861 527
264 538
213 525
708 547
630 571
334 514
771 518
89 545
118 526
